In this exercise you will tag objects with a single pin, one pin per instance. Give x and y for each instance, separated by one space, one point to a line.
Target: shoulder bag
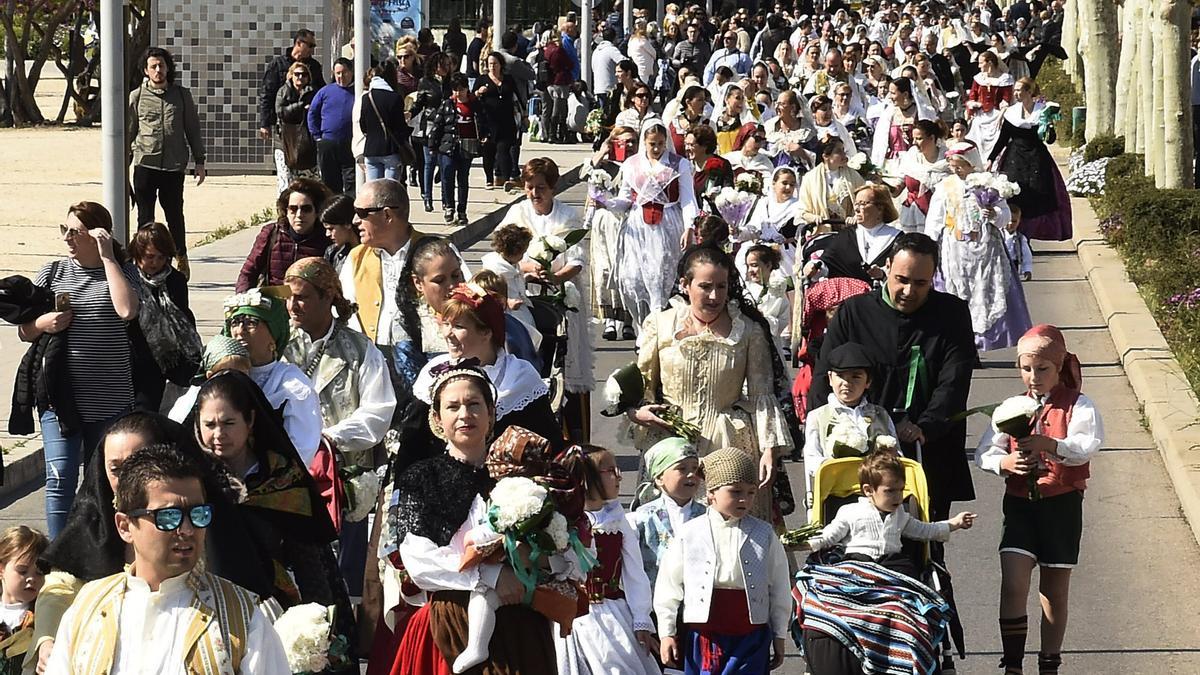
403 149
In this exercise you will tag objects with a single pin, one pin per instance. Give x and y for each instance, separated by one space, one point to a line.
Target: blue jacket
330 117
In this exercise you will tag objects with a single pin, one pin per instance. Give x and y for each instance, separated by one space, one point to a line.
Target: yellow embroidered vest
368 284
215 636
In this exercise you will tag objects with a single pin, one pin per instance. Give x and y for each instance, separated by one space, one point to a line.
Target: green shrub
1157 222
1104 146
1123 177
1057 87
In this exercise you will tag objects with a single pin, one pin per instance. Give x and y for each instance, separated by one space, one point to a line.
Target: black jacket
443 134
40 382
273 79
391 109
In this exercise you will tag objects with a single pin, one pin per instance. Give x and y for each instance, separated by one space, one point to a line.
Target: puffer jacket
443 135
275 248
22 301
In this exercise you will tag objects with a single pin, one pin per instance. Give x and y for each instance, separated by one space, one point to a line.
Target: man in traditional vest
357 399
161 615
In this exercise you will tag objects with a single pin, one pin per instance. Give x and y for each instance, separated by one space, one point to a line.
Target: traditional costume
988 93
604 229
921 176
657 517
766 224
1026 161
854 250
828 194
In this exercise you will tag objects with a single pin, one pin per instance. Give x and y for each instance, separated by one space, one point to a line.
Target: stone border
1169 404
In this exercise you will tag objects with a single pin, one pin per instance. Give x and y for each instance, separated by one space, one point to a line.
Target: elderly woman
974 263
861 252
295 234
713 357
81 349
788 130
749 152
259 320
546 216
440 499
827 192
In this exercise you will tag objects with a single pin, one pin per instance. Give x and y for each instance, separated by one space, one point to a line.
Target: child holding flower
1043 523
848 423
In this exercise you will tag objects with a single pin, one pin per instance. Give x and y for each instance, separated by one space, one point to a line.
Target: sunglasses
640 94
364 213
168 519
72 232
300 208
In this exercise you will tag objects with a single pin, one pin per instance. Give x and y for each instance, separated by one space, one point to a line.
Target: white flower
884 441
846 433
749 182
361 493
571 297
537 250
601 179
555 243
557 529
304 631
251 298
1013 408
516 498
857 161
391 442
612 391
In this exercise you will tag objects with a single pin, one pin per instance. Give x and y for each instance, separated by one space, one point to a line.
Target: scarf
169 332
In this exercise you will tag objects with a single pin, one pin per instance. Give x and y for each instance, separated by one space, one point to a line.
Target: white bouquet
305 632
515 500
571 296
733 205
600 182
750 182
886 442
362 489
987 186
1016 416
846 439
558 531
861 163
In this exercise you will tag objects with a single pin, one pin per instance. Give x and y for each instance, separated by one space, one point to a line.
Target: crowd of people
810 221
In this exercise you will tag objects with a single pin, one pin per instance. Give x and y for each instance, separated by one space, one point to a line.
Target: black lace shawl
435 495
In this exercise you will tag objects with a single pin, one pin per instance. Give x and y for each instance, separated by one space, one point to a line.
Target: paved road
1134 608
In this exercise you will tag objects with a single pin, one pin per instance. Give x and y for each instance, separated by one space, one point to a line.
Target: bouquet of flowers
543 250
794 538
1016 417
989 188
600 182
749 182
847 439
733 205
362 487
625 388
885 442
861 163
306 632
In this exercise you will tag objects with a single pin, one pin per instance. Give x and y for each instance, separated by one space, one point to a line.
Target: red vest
1052 422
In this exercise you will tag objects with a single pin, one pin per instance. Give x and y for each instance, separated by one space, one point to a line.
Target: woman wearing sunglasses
236 424
295 234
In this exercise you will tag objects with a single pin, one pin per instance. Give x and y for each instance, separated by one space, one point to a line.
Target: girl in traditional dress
658 193
770 217
991 92
666 499
826 193
617 634
974 263
701 356
826 125
922 166
1021 155
730 114
893 130
605 228
547 216
691 115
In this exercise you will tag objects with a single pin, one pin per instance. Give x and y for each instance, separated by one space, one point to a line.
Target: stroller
930 633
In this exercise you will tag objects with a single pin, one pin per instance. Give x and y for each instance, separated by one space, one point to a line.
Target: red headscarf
486 306
1047 342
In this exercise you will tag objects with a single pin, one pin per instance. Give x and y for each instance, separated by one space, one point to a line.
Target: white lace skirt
602 641
646 260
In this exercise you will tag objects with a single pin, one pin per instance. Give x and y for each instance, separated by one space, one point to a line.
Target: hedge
1157 233
1056 86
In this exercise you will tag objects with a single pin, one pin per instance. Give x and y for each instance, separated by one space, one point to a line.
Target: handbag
299 150
471 147
403 149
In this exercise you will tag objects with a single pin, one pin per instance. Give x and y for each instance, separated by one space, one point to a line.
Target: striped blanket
890 622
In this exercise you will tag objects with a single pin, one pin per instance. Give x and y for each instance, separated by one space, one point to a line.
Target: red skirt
417 653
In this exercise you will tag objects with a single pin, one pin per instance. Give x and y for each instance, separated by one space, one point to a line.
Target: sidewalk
214 271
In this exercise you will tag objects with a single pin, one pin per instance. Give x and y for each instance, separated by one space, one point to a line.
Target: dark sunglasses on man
169 518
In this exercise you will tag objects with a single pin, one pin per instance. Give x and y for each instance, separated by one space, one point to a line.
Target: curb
1169 404
25 471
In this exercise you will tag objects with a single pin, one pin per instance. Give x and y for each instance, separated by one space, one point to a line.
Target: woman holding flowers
967 215
553 264
769 220
713 359
826 192
441 499
1021 155
658 193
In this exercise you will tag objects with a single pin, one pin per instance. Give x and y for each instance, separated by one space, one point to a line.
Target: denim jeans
387 166
64 454
431 162
456 170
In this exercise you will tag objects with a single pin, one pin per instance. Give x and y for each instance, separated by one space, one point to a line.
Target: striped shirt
98 363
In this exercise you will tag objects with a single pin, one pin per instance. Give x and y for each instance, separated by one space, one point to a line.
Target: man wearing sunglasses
304 43
161 614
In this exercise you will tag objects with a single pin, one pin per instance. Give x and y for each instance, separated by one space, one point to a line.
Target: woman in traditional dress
827 192
769 220
714 358
788 130
749 152
826 125
710 172
546 216
441 498
851 114
658 193
974 263
691 115
861 252
922 167
605 229
1021 155
991 92
729 116
893 130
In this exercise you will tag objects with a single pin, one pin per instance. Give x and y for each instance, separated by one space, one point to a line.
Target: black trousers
335 161
166 188
497 160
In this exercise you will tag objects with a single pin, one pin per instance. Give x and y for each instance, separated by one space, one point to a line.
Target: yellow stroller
836 484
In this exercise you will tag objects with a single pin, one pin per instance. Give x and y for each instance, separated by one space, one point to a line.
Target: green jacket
162 125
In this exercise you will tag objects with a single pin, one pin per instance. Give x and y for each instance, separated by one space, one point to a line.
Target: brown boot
181 264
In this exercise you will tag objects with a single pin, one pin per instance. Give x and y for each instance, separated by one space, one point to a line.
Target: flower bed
1157 233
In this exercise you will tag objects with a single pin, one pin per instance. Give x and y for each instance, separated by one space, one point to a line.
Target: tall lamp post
112 115
363 47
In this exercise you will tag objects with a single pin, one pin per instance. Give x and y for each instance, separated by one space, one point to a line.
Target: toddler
1017 245
520 339
22 579
667 500
850 372
1042 531
509 244
729 572
873 526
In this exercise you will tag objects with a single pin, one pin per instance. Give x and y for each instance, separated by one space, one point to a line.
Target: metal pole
499 23
627 16
112 115
585 42
659 12
362 61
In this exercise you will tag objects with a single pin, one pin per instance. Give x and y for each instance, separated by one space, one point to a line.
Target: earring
435 426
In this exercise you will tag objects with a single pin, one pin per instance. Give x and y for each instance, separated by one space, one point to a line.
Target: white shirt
1085 435
150 639
11 615
605 58
873 242
874 534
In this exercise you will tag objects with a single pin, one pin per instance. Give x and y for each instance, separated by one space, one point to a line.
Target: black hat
849 357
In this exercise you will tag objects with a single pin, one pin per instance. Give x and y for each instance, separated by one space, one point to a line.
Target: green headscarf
661 456
266 304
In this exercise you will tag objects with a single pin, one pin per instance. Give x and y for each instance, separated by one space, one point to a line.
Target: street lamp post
112 114
363 46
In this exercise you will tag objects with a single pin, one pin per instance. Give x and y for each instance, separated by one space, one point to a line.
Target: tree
1173 18
23 21
1099 18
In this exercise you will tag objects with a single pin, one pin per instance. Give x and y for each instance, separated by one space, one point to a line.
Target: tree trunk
1125 115
1174 22
1100 74
1073 40
1146 98
1156 112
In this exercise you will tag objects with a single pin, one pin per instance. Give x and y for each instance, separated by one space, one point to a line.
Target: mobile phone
62 302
